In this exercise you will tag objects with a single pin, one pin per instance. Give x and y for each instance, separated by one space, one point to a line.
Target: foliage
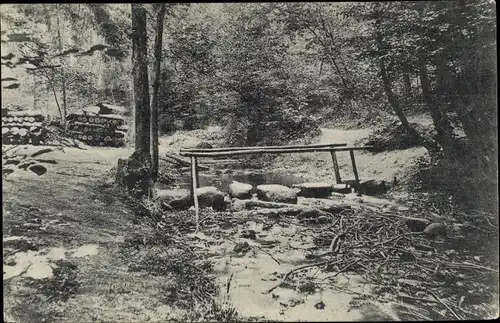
46 44
223 77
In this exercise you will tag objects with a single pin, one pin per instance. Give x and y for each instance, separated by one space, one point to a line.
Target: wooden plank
195 193
336 169
355 170
269 151
202 150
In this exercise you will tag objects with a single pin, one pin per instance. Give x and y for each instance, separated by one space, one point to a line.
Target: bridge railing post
355 170
336 169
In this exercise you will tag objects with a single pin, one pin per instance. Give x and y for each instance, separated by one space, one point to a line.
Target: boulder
342 188
249 234
238 205
374 187
179 199
435 229
276 193
417 224
315 189
211 196
240 190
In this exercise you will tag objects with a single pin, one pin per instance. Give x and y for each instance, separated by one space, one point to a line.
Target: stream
253 177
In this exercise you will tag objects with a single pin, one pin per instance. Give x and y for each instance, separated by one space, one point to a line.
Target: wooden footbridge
196 153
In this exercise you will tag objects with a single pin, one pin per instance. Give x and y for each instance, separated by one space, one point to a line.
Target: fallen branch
77 175
284 208
398 237
267 253
295 270
445 305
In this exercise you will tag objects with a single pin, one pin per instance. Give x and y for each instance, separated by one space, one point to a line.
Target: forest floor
68 254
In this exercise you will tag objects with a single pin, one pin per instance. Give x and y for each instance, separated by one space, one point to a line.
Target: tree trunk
440 120
141 82
34 91
475 127
63 78
134 173
394 102
156 88
406 81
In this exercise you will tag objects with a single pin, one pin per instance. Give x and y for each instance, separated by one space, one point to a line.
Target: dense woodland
268 73
112 234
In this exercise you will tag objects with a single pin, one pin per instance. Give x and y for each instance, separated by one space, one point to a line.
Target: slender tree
156 86
140 77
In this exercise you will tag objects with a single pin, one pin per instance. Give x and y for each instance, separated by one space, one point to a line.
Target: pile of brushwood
450 271
433 264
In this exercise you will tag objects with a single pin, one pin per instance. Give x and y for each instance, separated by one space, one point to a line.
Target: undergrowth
189 284
393 137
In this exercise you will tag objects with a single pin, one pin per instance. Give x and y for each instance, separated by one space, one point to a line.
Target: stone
211 196
241 247
373 187
178 199
417 224
337 196
314 189
342 188
240 190
276 193
248 234
238 205
435 229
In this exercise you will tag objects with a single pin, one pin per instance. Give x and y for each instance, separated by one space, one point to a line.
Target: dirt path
64 237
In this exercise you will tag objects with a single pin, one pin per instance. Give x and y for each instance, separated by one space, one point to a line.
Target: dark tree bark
392 98
434 104
406 80
134 173
156 87
141 82
396 106
63 77
476 122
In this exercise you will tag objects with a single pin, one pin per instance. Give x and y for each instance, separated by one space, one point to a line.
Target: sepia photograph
250 161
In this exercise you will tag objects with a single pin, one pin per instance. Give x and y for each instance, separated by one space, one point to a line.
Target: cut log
239 205
182 162
29 113
298 211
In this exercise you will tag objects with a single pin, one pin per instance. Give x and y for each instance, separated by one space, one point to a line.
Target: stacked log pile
22 127
98 129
